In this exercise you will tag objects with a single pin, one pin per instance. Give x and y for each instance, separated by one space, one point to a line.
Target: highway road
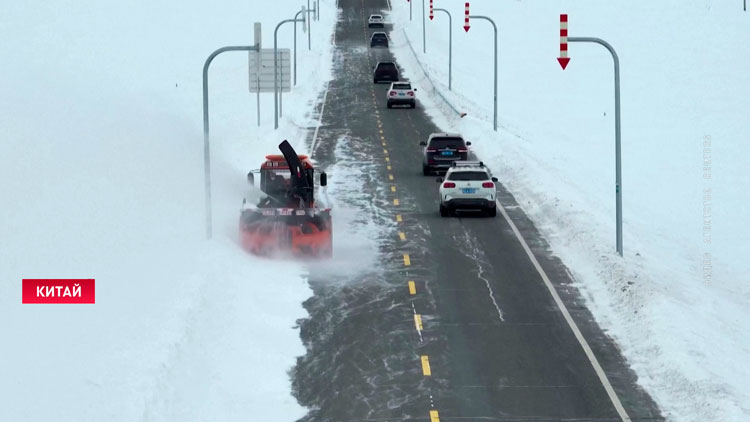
459 321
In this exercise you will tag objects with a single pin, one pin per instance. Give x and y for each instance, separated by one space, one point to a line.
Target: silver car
401 93
376 21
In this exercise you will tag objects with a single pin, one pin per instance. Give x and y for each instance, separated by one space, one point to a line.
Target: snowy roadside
677 317
102 176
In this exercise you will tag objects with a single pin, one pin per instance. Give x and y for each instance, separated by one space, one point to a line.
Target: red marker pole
432 13
563 59
466 18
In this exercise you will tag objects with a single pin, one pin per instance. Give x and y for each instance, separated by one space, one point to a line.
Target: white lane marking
325 95
421 340
474 255
576 331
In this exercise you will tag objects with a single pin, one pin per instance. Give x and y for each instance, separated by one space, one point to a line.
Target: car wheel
425 170
389 104
374 81
491 212
413 105
444 211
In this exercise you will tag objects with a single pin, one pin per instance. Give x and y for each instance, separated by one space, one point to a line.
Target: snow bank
677 302
101 169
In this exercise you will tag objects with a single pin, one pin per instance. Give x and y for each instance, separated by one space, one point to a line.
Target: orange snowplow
286 220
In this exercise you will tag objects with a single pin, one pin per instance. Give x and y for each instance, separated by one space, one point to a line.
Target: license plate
446 153
468 190
401 94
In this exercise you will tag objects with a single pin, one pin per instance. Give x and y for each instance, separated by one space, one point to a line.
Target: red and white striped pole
432 14
466 18
563 59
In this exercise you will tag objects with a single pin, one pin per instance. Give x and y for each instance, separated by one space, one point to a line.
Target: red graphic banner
62 290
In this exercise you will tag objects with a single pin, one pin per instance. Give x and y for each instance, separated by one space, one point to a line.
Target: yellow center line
381 131
402 235
393 189
413 291
398 218
395 201
418 322
385 151
434 417
426 366
388 166
387 159
407 260
390 177
382 138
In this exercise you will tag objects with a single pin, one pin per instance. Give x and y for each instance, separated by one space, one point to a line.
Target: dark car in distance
379 39
385 71
441 150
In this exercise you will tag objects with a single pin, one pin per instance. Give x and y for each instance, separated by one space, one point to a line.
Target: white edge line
320 120
576 331
325 95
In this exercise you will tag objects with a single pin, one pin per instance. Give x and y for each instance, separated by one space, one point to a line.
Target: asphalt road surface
455 323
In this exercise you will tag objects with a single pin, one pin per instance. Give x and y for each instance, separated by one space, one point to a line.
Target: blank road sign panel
262 66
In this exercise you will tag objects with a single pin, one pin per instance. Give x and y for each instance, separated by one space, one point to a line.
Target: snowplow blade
286 231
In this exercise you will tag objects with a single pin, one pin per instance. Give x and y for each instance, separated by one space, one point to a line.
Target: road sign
563 59
466 18
261 70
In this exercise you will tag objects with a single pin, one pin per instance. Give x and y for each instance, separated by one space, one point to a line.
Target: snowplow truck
286 221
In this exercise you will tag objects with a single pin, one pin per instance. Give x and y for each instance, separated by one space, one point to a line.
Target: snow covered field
101 162
678 302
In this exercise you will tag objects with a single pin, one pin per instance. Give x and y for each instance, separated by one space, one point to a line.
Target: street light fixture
206 142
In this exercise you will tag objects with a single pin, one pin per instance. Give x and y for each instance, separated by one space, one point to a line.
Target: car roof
376 15
473 168
401 82
445 135
379 63
379 33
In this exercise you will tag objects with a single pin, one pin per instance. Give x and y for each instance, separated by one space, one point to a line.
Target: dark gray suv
385 71
379 39
441 150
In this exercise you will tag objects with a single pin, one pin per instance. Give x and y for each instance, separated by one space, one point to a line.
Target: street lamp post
276 71
495 28
424 32
450 48
618 156
309 29
206 142
296 19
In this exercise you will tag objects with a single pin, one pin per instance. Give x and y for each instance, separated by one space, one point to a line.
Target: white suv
376 21
467 185
401 93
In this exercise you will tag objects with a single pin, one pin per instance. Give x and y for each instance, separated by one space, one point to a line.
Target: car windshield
401 86
453 143
385 67
468 175
378 36
376 17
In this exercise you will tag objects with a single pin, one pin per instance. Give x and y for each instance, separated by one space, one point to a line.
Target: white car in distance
376 21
